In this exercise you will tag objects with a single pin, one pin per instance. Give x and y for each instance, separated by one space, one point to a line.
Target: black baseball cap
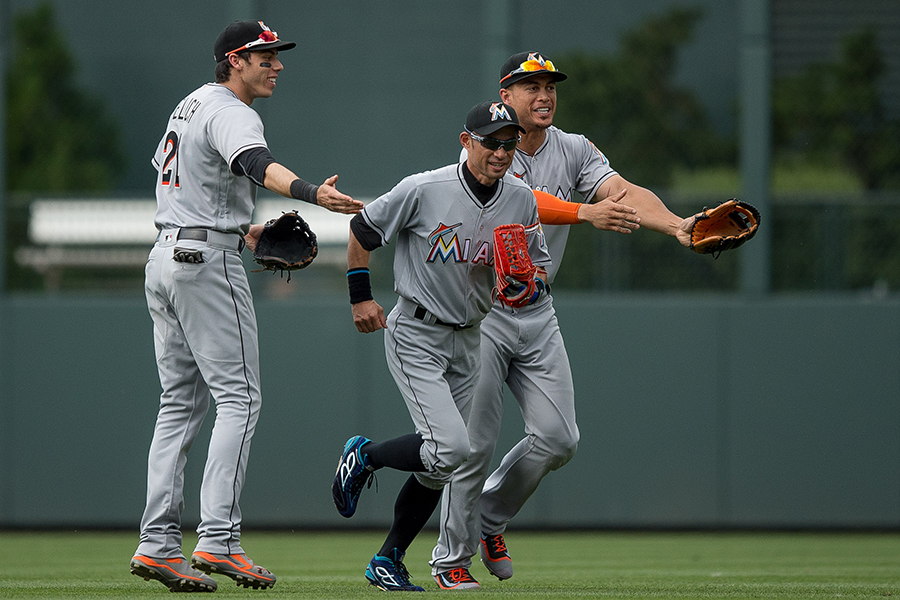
247 35
488 117
526 64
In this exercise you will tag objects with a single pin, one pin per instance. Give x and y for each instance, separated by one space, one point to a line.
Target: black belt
420 315
201 235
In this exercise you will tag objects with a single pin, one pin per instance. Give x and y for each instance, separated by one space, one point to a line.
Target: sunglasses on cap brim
266 37
532 66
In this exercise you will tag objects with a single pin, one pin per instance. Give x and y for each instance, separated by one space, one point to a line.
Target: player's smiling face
534 100
264 69
255 78
489 165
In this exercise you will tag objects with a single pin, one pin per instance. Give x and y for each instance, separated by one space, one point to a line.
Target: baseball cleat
174 573
496 557
390 574
237 566
456 579
351 475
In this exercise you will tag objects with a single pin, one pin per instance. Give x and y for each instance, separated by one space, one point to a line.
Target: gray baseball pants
206 342
435 368
524 349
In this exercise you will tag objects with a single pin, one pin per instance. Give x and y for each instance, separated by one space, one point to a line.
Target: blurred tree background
60 139
832 115
629 105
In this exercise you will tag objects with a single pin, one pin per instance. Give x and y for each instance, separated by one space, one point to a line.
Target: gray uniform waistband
213 238
420 313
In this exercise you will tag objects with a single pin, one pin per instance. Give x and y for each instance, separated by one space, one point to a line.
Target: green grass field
548 565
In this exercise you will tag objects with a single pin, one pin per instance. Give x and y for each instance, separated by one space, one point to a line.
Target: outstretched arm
651 210
608 215
281 180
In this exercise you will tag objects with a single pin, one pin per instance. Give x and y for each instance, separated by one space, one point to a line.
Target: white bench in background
113 233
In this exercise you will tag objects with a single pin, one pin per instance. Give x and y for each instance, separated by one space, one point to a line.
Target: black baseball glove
286 244
724 227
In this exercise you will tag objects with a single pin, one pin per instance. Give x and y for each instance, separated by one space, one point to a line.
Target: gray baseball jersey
196 188
524 349
205 331
443 264
565 163
444 254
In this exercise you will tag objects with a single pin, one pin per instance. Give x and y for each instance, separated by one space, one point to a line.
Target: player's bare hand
610 215
368 316
253 236
683 233
329 197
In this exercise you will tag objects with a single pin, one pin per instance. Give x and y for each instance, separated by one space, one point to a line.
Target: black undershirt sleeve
252 164
367 237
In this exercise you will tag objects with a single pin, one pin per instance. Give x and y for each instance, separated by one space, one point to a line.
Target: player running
523 347
209 162
444 222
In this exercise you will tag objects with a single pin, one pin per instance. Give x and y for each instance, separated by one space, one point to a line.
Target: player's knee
565 455
561 445
452 458
452 453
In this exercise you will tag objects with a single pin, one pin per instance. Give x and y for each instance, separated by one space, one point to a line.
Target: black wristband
360 287
304 190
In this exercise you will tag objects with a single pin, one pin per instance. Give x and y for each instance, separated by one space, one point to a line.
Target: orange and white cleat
174 573
456 579
237 566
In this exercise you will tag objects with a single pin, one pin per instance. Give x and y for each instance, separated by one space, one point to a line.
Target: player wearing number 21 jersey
209 162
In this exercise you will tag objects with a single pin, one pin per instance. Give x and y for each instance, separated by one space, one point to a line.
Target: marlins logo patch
445 249
499 112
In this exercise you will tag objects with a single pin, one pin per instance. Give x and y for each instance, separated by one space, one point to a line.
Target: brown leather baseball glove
724 227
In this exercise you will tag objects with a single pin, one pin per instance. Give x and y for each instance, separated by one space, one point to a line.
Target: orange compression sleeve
553 211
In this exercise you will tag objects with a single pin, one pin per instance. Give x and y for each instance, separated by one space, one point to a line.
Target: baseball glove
513 266
286 244
724 227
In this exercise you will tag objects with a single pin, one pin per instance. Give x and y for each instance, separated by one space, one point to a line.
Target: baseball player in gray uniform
210 162
523 348
443 221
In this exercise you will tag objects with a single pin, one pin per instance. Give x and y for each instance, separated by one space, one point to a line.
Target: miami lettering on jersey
445 249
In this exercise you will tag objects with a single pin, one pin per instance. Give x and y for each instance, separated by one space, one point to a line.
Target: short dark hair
223 67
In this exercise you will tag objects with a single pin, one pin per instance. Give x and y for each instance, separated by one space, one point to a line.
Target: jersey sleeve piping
589 197
375 228
242 149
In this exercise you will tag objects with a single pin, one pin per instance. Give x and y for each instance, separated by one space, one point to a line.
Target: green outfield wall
700 411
